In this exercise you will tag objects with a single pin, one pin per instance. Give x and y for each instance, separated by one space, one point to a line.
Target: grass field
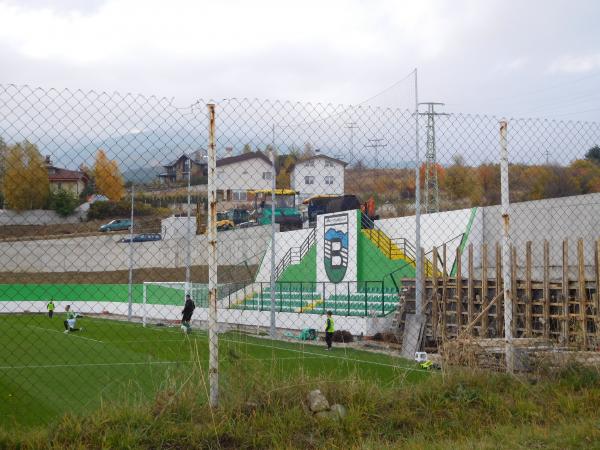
45 373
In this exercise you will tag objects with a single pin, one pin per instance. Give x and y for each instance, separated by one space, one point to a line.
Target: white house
319 174
236 175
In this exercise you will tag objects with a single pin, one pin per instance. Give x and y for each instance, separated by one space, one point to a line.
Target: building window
239 196
309 180
329 180
310 163
328 164
266 176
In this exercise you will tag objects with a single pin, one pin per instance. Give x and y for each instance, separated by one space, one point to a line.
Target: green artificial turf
45 373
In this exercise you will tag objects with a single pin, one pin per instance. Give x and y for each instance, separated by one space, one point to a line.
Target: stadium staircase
394 249
295 254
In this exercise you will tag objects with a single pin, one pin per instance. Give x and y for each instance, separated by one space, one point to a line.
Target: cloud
118 30
576 64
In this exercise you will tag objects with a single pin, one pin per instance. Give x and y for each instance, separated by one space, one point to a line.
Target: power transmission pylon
376 144
432 190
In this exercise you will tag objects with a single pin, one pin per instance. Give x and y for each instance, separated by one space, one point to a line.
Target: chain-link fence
304 228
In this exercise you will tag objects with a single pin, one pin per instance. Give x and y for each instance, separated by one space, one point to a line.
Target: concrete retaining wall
105 253
37 217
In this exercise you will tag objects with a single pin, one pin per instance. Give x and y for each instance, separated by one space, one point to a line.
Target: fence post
273 274
213 344
506 272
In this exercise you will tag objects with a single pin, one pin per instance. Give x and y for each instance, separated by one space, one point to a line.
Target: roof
65 174
185 156
243 157
329 158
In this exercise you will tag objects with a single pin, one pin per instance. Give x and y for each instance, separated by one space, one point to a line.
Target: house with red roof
74 181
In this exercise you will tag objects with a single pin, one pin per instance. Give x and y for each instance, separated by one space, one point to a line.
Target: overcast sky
512 58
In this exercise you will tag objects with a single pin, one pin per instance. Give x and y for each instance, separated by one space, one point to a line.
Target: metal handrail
303 249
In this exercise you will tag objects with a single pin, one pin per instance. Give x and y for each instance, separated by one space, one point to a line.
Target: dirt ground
199 274
57 231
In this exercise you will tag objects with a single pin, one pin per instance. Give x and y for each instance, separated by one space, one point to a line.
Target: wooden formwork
565 311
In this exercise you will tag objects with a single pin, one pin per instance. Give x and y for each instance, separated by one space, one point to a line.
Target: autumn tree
25 184
593 154
109 180
489 179
441 173
284 173
247 148
586 174
462 182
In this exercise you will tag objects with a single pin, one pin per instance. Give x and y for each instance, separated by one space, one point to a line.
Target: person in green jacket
329 329
50 307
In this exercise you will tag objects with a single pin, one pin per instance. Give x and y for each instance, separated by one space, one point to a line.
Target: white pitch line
53 366
62 332
146 363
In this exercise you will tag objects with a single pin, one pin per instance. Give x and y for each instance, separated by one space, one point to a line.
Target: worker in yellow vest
329 329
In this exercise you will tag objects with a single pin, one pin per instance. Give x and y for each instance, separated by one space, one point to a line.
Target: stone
339 410
317 401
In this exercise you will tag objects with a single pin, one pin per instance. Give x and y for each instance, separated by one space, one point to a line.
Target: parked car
146 237
116 225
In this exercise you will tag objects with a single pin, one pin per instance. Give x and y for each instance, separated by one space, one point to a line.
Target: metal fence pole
506 273
130 286
418 268
273 274
213 344
188 228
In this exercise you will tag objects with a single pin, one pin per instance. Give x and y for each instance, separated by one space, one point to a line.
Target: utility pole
376 144
352 126
432 190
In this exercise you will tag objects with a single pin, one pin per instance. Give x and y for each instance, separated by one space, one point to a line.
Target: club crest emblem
335 256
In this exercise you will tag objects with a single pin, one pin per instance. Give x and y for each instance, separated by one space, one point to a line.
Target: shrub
122 208
63 202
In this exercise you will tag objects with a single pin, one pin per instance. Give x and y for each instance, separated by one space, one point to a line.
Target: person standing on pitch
50 307
187 312
329 329
71 321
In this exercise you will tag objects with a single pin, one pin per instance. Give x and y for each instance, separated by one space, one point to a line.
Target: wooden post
513 290
471 287
564 325
484 289
458 291
434 295
546 289
582 293
499 290
528 290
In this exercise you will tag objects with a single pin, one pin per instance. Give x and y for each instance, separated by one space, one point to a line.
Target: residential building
73 181
176 171
236 175
319 174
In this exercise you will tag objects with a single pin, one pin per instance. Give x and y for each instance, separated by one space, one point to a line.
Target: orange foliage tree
109 180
